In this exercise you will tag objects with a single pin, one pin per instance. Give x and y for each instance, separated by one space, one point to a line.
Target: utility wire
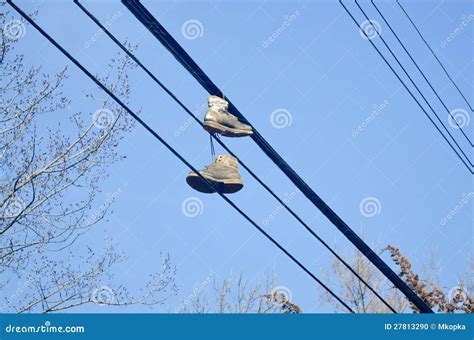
434 54
414 84
213 136
150 22
422 73
469 166
173 151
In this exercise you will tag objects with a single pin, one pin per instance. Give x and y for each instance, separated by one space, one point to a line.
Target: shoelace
213 150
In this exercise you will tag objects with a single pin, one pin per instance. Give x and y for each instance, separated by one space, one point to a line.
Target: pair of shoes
223 174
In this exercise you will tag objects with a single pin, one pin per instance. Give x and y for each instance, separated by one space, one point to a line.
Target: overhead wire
406 87
160 33
436 57
417 88
215 137
173 151
422 73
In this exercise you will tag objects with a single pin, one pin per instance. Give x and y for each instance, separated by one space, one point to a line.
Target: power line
414 84
189 112
406 87
150 22
133 57
434 54
173 151
422 73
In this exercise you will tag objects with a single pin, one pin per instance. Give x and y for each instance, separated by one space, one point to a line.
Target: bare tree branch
52 162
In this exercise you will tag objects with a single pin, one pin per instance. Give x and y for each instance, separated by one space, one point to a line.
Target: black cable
213 136
147 19
416 87
434 54
422 73
469 167
170 148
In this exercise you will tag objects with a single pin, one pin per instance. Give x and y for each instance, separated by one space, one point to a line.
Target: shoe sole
228 186
225 131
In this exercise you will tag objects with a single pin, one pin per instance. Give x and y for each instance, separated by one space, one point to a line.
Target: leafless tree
456 299
362 300
54 285
51 171
238 295
355 293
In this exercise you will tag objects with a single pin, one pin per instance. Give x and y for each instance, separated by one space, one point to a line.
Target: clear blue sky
329 78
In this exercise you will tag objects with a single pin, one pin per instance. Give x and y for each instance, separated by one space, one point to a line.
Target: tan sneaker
219 120
223 174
